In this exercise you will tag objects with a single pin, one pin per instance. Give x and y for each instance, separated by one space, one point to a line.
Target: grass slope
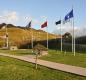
19 36
13 69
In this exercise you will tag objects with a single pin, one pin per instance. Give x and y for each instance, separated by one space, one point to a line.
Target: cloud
12 16
9 17
16 18
79 31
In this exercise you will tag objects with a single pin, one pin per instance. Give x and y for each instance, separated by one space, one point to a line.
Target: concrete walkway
67 68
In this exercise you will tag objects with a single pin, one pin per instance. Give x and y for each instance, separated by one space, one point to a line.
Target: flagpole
6 37
74 36
31 34
73 33
67 17
32 38
61 35
29 25
42 26
47 36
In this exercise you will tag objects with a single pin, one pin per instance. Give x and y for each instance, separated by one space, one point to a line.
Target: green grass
13 69
54 56
68 58
68 47
17 52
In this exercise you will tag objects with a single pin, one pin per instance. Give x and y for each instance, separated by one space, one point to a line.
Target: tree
67 37
37 49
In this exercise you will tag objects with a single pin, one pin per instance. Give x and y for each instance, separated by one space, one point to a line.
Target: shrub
40 47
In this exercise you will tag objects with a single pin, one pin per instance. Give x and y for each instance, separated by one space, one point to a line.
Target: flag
29 24
68 16
58 22
44 24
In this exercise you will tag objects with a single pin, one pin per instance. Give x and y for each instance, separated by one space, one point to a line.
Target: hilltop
20 35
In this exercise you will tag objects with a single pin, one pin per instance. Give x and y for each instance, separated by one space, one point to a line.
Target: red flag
44 24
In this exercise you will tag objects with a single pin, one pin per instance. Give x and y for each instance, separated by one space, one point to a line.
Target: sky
20 12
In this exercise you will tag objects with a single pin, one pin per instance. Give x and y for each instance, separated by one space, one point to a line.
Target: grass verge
18 52
66 58
13 69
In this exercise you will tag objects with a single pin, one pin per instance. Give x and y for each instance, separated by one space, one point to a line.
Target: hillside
20 35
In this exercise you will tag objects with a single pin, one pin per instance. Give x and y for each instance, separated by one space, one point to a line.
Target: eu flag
69 15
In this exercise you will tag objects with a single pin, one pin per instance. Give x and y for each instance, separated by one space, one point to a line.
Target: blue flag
29 24
69 15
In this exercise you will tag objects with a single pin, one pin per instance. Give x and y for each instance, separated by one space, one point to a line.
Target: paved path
67 68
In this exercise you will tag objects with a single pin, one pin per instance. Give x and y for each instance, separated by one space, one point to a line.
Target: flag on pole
29 24
44 24
66 19
58 22
68 16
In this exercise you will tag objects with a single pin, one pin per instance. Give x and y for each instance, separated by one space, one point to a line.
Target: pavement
58 66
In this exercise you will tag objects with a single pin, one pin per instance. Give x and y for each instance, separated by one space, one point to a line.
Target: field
13 69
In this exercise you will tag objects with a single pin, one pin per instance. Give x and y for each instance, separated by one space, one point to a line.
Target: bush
40 47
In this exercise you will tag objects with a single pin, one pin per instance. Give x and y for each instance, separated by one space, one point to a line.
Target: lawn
13 69
17 52
66 58
54 56
68 47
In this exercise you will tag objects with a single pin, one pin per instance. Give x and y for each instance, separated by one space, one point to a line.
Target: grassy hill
20 35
